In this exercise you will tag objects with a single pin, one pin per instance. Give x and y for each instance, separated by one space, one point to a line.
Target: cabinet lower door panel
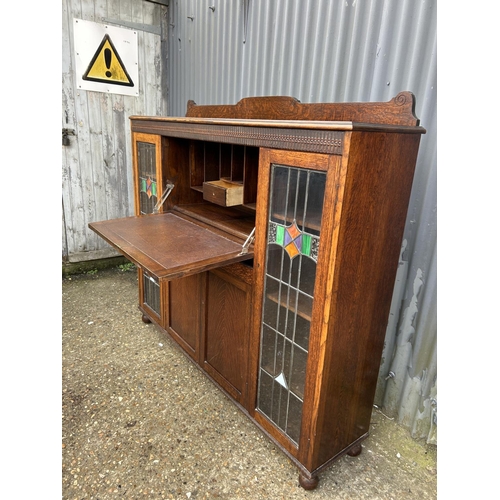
184 312
226 335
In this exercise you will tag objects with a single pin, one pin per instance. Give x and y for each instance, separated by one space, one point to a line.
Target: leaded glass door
293 225
147 163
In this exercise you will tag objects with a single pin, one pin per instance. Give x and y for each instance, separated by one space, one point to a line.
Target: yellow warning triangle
107 67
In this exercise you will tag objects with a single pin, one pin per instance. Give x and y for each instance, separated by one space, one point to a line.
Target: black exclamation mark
107 60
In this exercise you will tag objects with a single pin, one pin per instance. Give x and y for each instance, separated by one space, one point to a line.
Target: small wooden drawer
224 193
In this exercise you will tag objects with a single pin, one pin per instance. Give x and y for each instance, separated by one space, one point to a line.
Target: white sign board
106 58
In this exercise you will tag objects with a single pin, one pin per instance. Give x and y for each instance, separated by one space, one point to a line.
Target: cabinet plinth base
355 451
308 483
145 319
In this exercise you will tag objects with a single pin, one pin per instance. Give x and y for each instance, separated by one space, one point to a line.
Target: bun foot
308 483
145 319
355 451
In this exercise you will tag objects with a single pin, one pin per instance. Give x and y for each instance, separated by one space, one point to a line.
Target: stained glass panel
296 200
146 163
151 287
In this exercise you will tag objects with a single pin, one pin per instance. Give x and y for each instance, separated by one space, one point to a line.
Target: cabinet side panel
378 186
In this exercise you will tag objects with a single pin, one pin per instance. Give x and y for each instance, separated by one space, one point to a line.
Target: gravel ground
141 421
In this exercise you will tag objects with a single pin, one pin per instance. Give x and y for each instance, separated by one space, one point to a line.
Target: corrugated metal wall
97 165
336 50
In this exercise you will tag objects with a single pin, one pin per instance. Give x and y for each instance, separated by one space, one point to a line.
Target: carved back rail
398 111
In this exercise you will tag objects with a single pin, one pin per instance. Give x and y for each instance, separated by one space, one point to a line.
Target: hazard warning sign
106 58
107 66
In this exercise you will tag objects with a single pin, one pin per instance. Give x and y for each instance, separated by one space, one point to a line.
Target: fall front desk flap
169 246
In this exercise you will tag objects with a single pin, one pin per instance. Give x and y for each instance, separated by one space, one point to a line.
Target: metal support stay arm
165 195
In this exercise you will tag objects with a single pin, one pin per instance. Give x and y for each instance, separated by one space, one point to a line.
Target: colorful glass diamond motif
293 240
148 186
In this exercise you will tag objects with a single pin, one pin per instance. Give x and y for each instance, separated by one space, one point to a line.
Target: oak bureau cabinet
267 236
